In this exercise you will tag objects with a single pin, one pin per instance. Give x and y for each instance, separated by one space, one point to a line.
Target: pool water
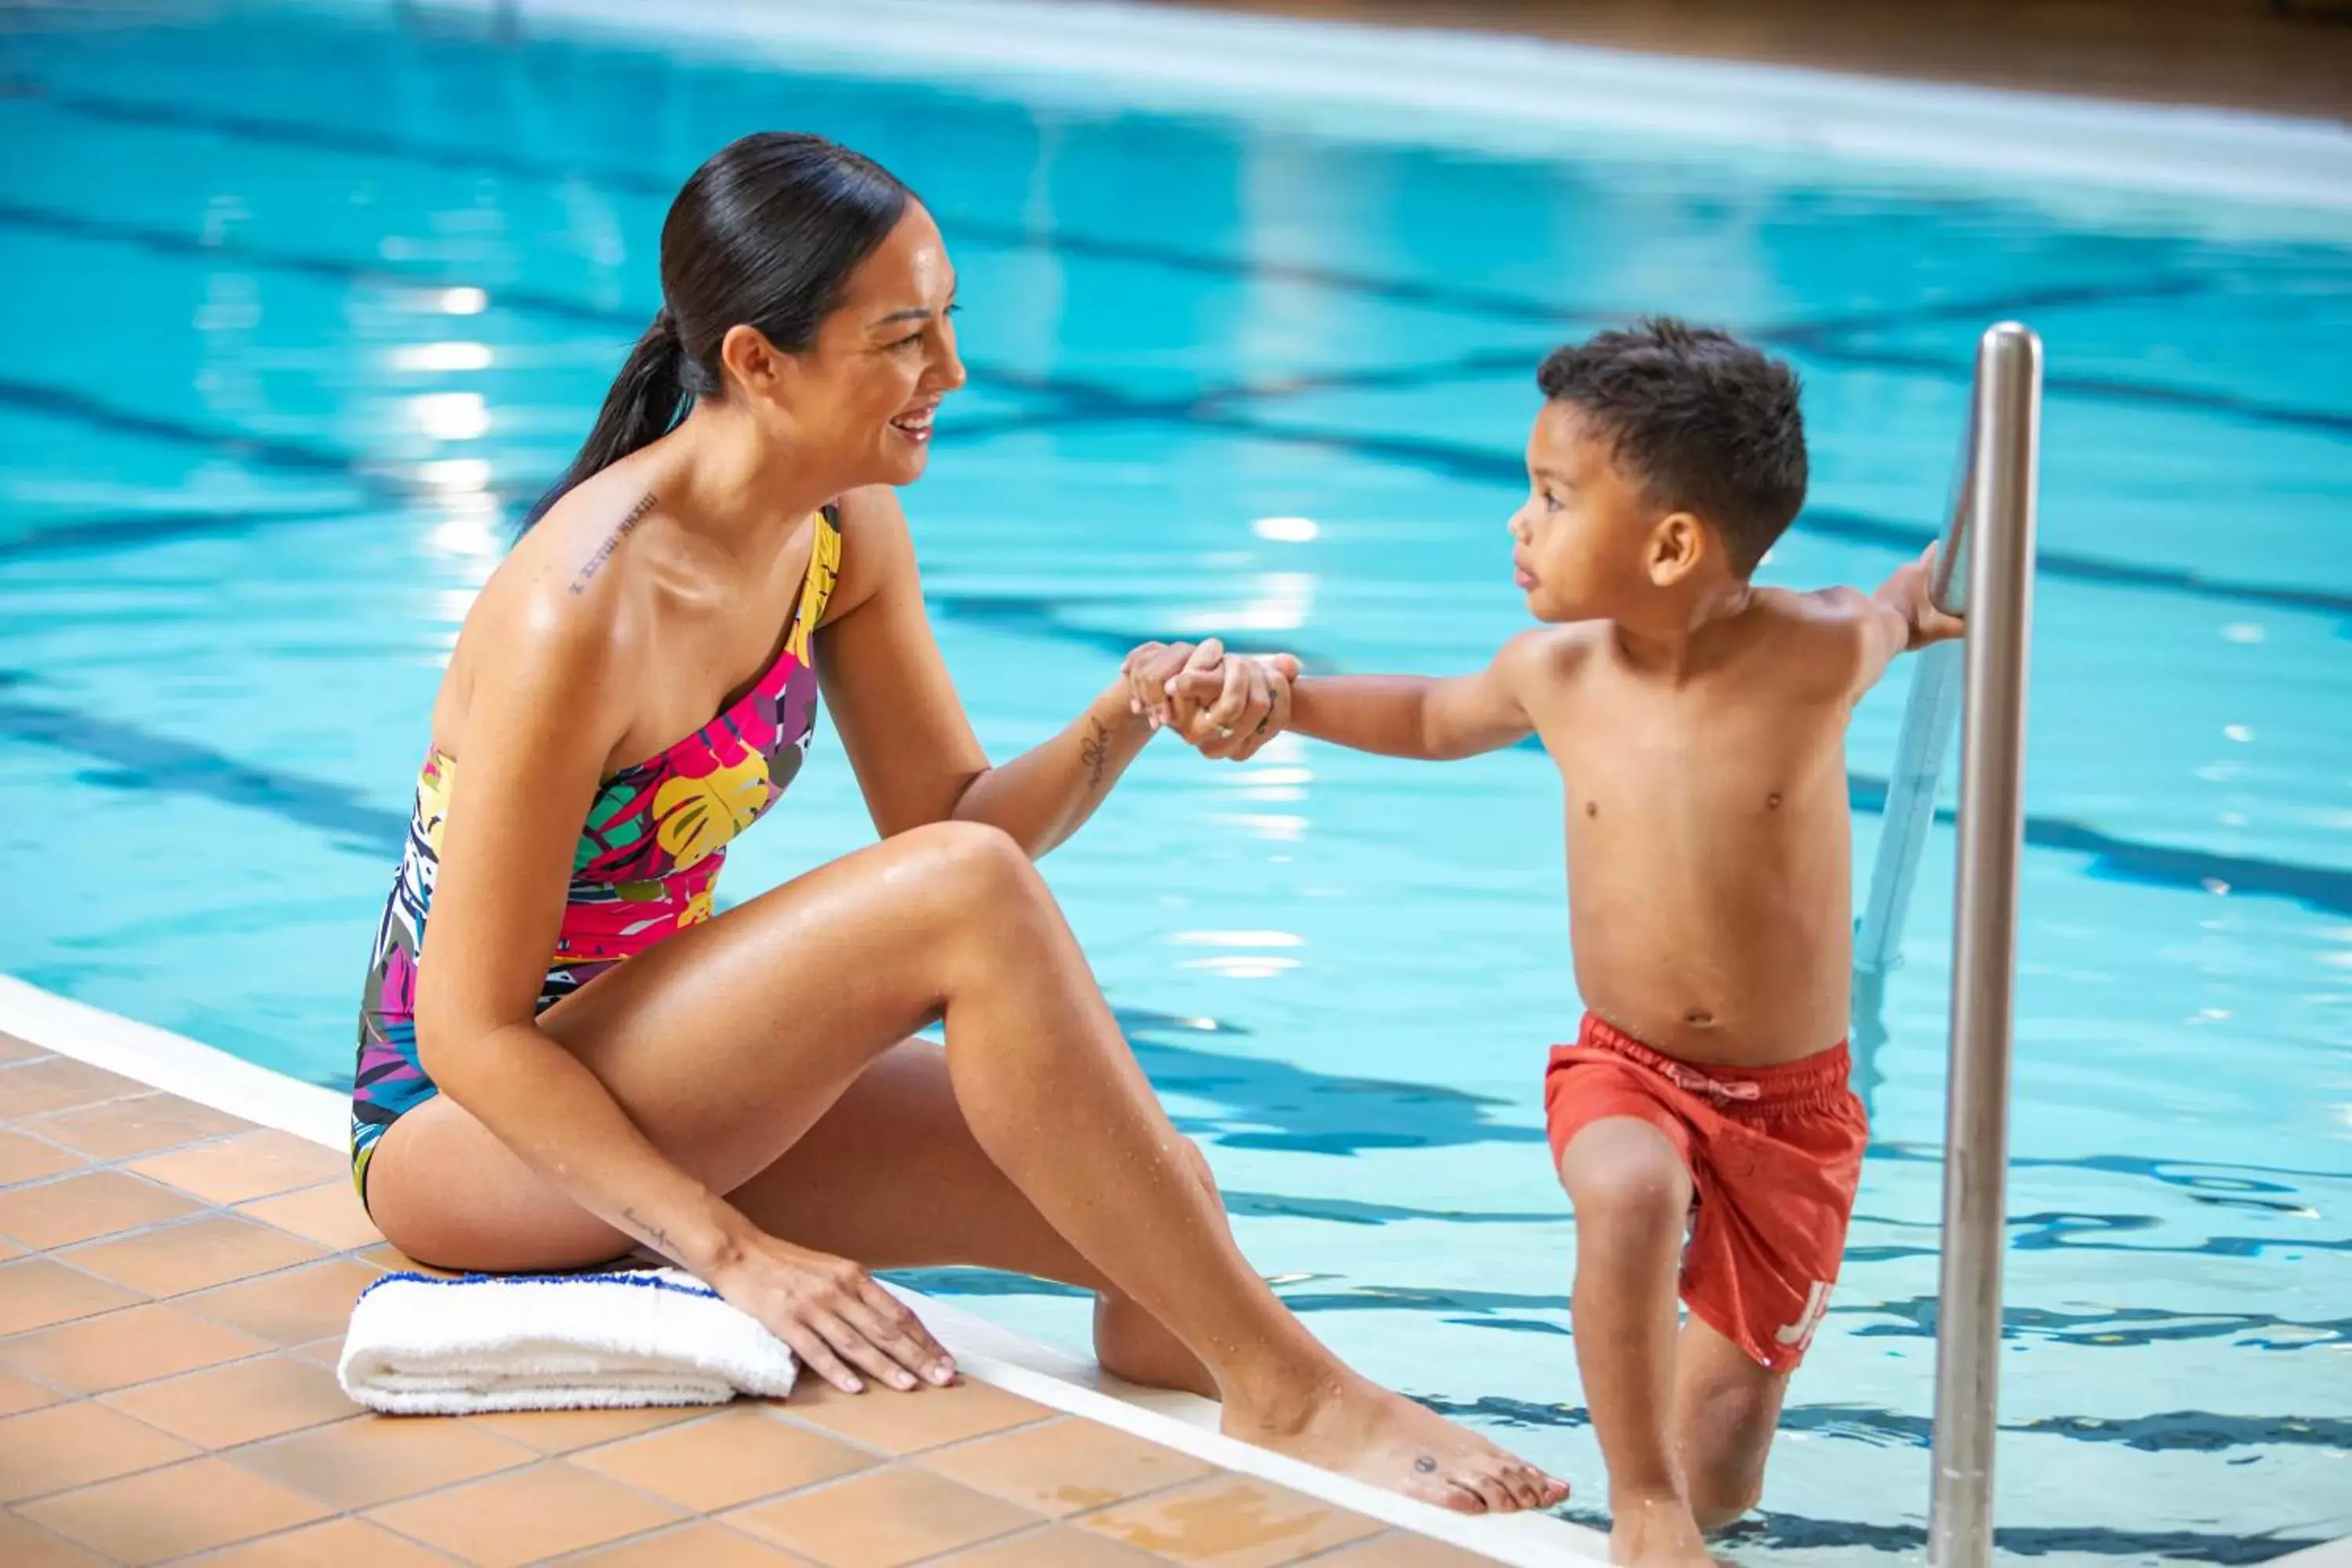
303 305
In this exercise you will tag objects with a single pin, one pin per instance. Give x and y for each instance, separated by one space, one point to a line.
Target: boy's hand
1227 708
1909 591
1163 680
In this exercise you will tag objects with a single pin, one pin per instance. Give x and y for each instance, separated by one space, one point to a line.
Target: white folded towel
423 1346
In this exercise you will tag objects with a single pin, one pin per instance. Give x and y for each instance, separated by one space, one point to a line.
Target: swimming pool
304 303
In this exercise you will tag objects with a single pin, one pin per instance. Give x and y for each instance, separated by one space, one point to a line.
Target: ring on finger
1225 732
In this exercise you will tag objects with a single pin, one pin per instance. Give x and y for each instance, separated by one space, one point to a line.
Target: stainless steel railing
2003 463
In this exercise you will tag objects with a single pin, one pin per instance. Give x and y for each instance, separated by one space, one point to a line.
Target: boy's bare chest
1726 747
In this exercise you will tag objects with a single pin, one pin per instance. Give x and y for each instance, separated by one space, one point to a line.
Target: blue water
299 307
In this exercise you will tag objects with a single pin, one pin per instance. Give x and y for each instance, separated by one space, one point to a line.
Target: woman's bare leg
729 1043
946 1203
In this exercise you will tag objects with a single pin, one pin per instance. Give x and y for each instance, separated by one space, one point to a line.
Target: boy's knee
1623 1172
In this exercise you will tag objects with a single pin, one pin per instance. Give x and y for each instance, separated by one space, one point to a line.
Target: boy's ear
1678 545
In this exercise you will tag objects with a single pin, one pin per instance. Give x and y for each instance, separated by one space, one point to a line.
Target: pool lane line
144 761
1813 335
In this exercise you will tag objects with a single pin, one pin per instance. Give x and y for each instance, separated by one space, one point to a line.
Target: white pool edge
1070 1384
1451 87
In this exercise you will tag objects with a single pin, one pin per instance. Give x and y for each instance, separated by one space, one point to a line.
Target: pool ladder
1985 568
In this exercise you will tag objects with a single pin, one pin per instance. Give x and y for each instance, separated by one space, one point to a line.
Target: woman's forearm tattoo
1095 751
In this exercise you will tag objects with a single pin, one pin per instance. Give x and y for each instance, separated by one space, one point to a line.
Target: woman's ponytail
647 397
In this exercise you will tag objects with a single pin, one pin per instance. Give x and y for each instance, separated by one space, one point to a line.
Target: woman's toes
1463 1497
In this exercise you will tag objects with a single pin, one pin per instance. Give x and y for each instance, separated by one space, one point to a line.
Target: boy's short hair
1706 422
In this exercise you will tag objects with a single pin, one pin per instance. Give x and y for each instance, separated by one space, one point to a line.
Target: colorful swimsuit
646 867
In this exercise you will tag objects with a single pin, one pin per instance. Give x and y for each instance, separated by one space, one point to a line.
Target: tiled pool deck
174 1282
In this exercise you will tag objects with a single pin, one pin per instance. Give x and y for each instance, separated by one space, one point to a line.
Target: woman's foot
1358 1429
1655 1532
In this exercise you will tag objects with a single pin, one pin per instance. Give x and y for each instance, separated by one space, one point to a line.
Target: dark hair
1706 422
766 233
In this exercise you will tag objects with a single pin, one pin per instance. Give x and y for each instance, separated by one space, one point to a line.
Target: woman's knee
1197 1164
971 863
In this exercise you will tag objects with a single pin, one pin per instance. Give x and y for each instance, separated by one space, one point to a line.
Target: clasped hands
1226 705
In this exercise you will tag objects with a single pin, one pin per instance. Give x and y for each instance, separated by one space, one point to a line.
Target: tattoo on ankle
603 552
1426 1464
1095 751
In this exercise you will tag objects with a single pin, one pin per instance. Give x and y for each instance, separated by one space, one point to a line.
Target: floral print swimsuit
645 867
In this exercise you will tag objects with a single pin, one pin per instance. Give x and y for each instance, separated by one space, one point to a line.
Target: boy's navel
1699 1017
1592 808
1772 800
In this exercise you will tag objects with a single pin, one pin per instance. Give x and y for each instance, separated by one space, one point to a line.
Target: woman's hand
1227 708
833 1314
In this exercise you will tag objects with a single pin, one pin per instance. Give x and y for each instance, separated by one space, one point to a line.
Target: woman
742 1095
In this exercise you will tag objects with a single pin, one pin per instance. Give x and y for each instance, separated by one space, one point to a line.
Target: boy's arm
1414 716
1901 617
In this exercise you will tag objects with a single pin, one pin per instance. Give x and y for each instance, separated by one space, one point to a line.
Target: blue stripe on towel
642 1281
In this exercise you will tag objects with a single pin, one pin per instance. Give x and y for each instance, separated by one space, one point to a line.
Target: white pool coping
1055 1378
1496 91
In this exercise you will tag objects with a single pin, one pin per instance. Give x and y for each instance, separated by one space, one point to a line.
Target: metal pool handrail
1928 717
1998 501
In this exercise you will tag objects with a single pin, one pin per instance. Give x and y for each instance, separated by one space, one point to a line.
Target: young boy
1702 1122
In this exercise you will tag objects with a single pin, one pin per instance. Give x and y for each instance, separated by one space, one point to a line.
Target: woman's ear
748 360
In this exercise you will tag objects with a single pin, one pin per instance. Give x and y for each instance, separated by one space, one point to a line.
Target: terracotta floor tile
74 1445
35 1292
9 1249
326 1350
125 1129
567 1431
329 1214
235 1170
211 1250
1066 1467
522 1518
337 1543
1056 1546
13 1049
292 1308
123 1348
16 1395
78 1208
374 1460
241 1402
905 1423
881 1520
733 1457
24 1159
392 1260
1232 1521
172 1512
702 1545
1403 1550
58 1083
23 1546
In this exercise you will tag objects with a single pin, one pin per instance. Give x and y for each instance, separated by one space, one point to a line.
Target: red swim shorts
1774 1155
